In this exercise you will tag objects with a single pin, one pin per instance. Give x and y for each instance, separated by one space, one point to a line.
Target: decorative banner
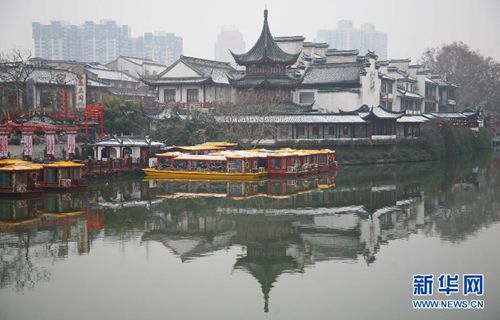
71 142
80 91
4 145
50 139
28 144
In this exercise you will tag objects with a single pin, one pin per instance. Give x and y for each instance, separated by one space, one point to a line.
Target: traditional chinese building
267 76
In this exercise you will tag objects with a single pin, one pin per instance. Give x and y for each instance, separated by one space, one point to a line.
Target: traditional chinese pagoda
267 75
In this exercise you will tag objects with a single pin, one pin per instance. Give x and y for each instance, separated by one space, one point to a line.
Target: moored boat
175 165
20 179
63 175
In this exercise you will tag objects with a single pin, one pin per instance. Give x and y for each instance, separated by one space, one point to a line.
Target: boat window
164 163
199 165
276 163
180 165
217 166
64 173
51 174
234 166
76 173
322 158
21 178
5 179
262 163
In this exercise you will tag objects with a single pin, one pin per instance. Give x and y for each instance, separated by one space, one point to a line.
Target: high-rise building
101 42
346 37
229 38
161 47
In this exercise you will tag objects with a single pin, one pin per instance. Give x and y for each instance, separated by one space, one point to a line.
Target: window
331 130
300 131
51 174
169 95
192 95
386 86
276 163
306 97
315 131
5 180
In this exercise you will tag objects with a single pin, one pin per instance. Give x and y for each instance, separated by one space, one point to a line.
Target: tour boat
176 165
292 163
20 179
63 175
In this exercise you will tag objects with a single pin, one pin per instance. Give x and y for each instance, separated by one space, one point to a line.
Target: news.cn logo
447 285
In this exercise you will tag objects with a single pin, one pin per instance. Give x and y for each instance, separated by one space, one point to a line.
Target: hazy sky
412 25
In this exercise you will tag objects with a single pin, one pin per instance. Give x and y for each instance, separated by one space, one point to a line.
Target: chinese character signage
80 91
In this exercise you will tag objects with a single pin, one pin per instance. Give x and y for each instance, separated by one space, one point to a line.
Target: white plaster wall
180 70
340 59
333 101
292 47
129 67
370 86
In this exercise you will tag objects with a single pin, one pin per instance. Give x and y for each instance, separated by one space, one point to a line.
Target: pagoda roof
265 81
265 50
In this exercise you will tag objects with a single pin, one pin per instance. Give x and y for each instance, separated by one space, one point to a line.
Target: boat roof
219 144
9 161
200 157
63 164
197 147
21 167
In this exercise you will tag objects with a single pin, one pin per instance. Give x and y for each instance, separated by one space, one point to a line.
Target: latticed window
169 95
192 95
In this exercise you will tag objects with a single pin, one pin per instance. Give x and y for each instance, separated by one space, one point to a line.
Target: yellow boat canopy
7 162
22 167
63 164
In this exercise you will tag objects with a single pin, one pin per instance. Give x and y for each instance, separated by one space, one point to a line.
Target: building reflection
284 226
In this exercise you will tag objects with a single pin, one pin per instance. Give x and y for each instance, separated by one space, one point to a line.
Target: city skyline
102 42
410 34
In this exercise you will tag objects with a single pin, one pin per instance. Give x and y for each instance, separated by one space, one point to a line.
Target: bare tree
15 72
249 120
477 76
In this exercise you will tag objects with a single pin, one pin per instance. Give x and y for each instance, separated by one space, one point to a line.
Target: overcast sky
412 25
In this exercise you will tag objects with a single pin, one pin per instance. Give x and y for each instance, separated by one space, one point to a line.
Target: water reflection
284 226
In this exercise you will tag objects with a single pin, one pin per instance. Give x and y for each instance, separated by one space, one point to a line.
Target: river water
344 246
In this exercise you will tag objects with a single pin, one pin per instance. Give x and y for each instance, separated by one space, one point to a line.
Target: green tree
124 117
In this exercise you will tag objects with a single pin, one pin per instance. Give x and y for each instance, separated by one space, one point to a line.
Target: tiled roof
208 70
316 44
295 118
128 142
336 52
409 94
333 73
265 50
272 81
381 113
104 73
289 38
412 119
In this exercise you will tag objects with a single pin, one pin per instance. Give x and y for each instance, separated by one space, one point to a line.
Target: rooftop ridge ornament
265 50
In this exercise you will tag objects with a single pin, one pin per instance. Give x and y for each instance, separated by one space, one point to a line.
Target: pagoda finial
265 13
